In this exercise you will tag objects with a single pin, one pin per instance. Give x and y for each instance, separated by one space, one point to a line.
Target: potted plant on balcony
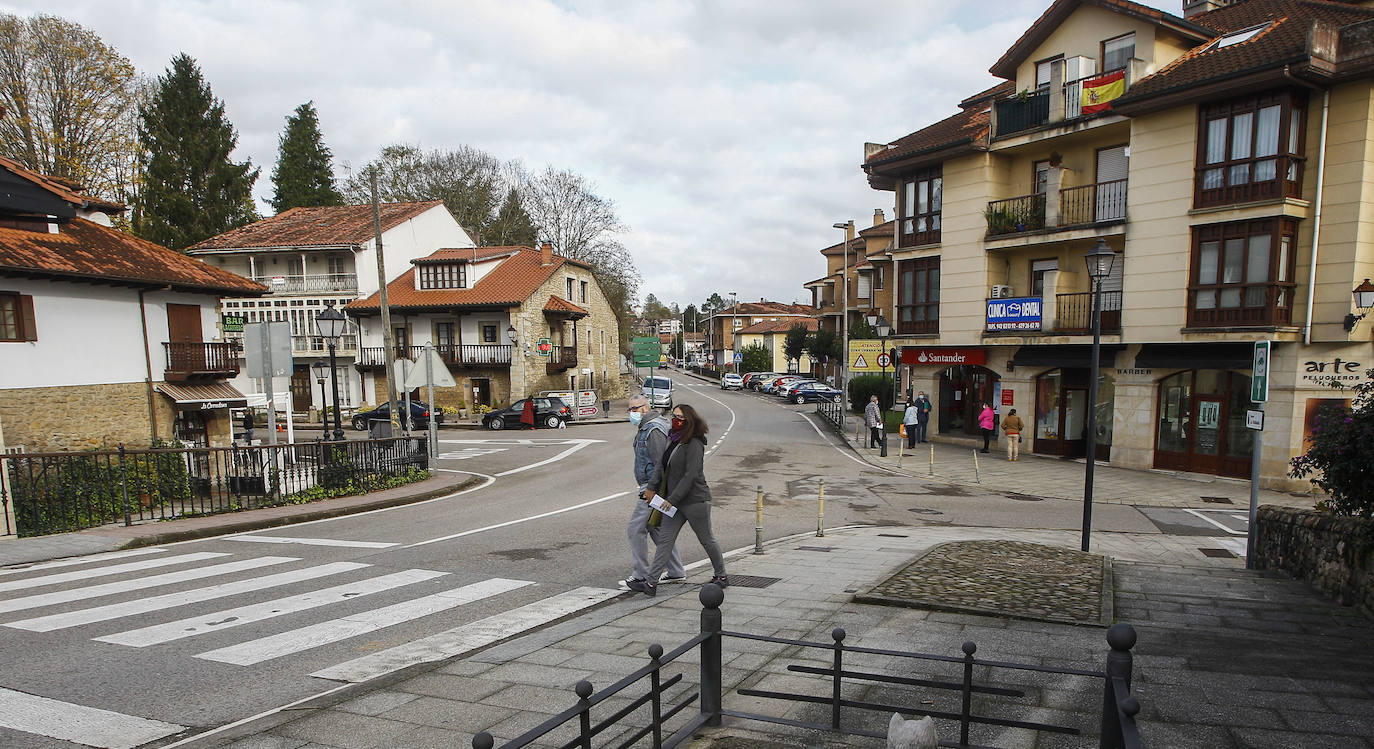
1000 220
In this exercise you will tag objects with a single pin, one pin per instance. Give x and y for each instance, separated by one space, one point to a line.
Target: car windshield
658 383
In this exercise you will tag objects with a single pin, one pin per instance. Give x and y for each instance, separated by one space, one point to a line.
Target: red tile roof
510 283
62 188
765 308
84 249
563 306
881 230
968 127
448 254
318 226
781 326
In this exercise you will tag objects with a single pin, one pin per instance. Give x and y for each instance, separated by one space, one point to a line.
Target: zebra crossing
153 598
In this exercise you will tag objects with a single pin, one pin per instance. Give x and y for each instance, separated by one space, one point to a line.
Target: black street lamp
884 329
330 325
1099 262
319 369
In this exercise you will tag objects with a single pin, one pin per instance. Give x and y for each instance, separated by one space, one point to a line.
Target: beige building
1224 158
859 272
772 335
509 322
720 328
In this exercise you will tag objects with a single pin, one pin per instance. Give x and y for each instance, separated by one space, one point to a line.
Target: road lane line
314 541
1204 518
826 440
219 620
728 427
182 598
92 559
66 577
468 637
546 461
305 638
77 723
517 521
139 583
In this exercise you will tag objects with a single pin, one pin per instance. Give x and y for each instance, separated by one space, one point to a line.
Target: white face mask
636 417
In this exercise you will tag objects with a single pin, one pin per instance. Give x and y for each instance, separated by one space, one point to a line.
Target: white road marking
468 637
1237 546
199 625
138 583
183 598
1202 516
807 419
468 453
305 638
517 521
314 541
581 444
77 723
525 442
92 559
65 577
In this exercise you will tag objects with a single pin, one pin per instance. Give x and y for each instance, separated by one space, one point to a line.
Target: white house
105 339
318 257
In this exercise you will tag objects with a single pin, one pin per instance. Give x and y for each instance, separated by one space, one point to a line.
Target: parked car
548 412
731 381
812 392
754 380
786 390
659 391
781 384
419 415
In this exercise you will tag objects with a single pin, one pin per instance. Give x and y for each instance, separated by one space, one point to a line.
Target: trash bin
378 429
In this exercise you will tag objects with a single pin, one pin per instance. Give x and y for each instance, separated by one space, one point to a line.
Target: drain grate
1217 553
1218 500
752 581
816 548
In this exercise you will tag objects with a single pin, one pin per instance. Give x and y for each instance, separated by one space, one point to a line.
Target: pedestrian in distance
873 419
651 440
527 414
911 419
922 416
247 426
680 478
1011 427
987 421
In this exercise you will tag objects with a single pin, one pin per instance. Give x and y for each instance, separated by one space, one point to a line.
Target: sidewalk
1226 657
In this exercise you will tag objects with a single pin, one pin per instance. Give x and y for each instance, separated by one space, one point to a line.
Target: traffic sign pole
1259 393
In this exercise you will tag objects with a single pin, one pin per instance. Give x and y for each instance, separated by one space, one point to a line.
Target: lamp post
1364 299
734 323
1099 262
844 316
319 369
330 325
884 329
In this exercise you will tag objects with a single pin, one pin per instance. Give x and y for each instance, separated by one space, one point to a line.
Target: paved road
145 647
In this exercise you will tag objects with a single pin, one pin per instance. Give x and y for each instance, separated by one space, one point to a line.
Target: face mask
636 417
678 424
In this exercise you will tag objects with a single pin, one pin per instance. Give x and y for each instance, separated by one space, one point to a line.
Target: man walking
922 416
651 439
873 419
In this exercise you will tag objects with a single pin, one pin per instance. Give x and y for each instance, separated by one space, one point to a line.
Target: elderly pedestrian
922 416
873 419
651 440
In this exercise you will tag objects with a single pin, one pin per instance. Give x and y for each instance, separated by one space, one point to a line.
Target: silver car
659 391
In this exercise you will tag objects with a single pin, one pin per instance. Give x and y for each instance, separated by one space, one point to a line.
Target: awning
1195 356
203 397
1065 355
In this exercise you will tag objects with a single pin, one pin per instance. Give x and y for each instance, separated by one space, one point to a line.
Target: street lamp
330 325
1099 262
884 329
843 369
734 323
1364 299
319 369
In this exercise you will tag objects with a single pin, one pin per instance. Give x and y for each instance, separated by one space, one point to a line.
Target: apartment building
772 335
1225 156
720 327
859 272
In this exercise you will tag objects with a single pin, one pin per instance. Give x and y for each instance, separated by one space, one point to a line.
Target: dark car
419 415
811 392
548 412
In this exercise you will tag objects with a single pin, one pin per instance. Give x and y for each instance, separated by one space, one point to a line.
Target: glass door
1075 429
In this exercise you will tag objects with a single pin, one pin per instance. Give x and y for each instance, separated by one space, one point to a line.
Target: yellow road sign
863 356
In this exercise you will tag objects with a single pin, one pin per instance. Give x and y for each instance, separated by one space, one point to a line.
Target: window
918 296
489 332
569 297
1242 274
583 290
921 195
1236 37
1042 176
1043 70
16 317
878 277
865 284
443 335
1117 53
1038 270
443 276
1249 149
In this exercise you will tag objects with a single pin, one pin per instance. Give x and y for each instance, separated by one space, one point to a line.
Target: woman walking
1012 426
681 480
987 421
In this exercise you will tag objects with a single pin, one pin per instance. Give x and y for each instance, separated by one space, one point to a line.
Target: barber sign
1014 314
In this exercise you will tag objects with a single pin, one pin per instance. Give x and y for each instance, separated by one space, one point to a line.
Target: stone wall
1336 554
82 417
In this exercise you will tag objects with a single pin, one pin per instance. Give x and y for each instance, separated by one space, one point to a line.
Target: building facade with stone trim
508 322
772 335
1225 159
105 339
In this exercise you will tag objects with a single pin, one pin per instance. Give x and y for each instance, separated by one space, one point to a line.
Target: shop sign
1008 397
543 346
1014 314
1337 371
943 357
213 406
232 323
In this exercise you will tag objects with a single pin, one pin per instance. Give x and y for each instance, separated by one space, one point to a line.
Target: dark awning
207 397
1064 355
1195 356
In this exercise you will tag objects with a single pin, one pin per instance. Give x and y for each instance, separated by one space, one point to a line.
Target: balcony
1058 314
1057 103
454 355
310 283
561 358
1016 215
1240 306
1022 113
1073 313
189 361
1086 206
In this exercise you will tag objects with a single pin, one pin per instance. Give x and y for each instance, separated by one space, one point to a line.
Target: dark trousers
876 436
911 431
921 431
987 437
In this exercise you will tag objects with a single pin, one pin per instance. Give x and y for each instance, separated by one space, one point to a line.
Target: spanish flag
1099 92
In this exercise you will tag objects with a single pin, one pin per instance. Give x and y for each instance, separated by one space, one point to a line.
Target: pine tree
191 190
512 225
303 175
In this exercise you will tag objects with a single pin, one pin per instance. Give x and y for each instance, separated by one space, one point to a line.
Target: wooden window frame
1289 162
25 327
434 276
482 331
907 225
1266 303
926 321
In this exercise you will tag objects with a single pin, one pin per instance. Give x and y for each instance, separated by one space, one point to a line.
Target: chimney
849 232
546 252
878 216
1198 7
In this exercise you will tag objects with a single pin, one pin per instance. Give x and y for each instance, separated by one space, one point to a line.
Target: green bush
1340 456
863 386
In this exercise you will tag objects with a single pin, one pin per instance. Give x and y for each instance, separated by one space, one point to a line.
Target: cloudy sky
729 133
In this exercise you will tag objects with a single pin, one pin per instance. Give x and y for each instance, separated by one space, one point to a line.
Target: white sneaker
664 579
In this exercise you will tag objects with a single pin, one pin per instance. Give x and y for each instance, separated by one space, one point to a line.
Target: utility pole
388 344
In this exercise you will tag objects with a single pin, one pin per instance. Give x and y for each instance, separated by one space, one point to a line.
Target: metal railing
1013 215
561 358
1096 203
187 359
453 354
1073 313
831 412
310 282
67 491
1022 113
1117 728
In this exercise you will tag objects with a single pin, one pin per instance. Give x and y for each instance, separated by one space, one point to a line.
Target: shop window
1201 422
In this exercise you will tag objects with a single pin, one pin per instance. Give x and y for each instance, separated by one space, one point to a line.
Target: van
659 391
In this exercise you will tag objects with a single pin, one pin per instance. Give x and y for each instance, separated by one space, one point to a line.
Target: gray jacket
685 467
650 442
873 415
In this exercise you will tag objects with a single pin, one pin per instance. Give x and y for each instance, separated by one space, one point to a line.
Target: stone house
105 339
508 322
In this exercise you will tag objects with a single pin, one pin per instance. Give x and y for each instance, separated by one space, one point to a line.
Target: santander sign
943 357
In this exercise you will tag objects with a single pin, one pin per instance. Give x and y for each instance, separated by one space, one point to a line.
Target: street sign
863 356
1254 419
739 357
587 411
884 360
543 347
1259 372
711 358
646 351
413 374
267 344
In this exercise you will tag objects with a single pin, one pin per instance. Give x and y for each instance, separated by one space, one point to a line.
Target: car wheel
360 425
799 400
835 400
551 422
496 424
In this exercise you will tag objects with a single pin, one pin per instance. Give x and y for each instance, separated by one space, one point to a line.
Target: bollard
977 478
758 519
820 511
932 459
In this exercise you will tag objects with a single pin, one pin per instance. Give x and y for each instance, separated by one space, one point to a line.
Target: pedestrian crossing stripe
77 723
860 362
114 569
91 559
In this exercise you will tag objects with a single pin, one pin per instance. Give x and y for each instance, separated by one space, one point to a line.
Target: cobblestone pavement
1002 578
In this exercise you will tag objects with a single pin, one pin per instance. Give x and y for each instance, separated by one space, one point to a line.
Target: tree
1340 455
691 318
756 358
469 181
794 345
304 174
824 348
655 310
68 101
860 330
191 190
712 305
512 225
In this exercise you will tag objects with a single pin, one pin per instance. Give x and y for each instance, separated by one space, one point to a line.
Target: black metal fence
1117 720
831 412
67 491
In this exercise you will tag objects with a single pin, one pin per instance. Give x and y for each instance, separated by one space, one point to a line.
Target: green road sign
1259 372
646 351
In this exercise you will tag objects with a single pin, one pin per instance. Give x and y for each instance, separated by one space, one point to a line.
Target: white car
731 381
